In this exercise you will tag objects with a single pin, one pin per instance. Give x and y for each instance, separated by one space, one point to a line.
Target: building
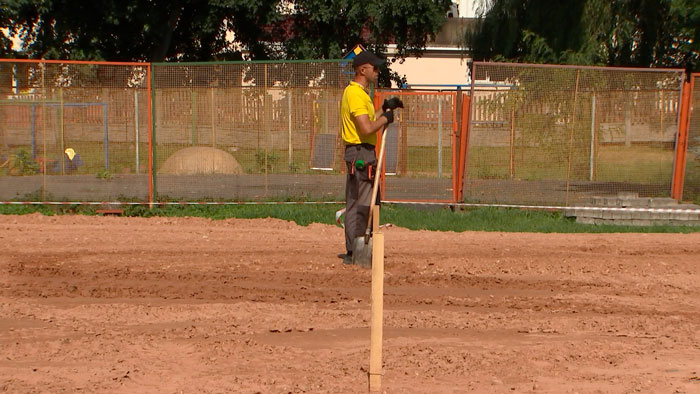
445 60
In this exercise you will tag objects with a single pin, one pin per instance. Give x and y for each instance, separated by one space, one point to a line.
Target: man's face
370 72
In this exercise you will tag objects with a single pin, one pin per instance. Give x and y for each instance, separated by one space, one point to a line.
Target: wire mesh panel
248 130
562 134
691 187
420 147
73 131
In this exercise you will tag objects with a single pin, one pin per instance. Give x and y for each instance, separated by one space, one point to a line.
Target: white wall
434 71
467 8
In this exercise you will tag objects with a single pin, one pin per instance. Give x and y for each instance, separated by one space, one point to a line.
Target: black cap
366 57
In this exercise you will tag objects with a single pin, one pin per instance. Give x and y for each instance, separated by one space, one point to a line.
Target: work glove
389 115
392 104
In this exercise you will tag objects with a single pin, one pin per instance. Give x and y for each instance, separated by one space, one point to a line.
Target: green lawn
434 219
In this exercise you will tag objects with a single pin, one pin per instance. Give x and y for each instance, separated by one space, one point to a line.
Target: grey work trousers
358 191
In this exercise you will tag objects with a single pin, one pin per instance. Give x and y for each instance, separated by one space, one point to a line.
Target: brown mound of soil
200 160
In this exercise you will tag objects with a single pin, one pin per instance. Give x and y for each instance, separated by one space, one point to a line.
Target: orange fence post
682 142
455 154
464 140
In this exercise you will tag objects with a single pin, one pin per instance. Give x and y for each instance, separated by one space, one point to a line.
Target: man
360 123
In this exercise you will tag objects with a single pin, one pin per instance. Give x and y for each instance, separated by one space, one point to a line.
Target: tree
200 30
619 32
330 28
5 42
132 30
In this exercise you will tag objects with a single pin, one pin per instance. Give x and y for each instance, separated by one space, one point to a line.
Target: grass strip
432 218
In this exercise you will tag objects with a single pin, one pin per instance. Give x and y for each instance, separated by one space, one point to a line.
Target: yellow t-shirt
355 102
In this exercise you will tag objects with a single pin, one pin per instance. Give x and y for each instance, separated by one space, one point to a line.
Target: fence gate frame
458 134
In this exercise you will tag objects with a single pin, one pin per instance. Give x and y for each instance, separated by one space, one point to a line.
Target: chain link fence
558 135
421 159
269 131
248 131
73 131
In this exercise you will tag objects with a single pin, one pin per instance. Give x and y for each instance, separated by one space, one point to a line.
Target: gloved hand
392 104
389 115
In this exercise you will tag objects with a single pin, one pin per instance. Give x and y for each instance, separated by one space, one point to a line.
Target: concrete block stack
628 209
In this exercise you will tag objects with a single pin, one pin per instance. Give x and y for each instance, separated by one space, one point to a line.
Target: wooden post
193 116
439 138
290 159
62 129
663 109
213 118
628 120
377 301
512 143
136 129
591 174
571 138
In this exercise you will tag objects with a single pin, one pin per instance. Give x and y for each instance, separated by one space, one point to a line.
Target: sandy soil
165 305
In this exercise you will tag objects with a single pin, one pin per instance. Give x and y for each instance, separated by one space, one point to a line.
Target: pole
628 120
152 188
193 117
663 109
571 137
106 132
62 129
377 308
439 136
213 119
289 116
590 177
325 112
33 132
43 135
512 143
267 125
136 128
679 161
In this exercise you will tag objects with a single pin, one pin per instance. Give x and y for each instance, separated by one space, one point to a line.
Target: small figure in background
71 160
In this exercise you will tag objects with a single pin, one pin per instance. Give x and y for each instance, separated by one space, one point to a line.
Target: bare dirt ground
170 305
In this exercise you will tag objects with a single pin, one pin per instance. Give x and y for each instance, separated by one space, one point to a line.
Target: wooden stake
376 325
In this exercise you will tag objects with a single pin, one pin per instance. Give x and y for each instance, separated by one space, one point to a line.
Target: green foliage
105 174
329 29
503 219
266 161
433 219
21 163
164 30
37 195
26 209
138 31
622 33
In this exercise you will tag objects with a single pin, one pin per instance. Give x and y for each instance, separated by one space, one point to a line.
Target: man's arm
367 127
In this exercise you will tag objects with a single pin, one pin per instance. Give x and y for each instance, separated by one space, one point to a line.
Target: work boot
347 258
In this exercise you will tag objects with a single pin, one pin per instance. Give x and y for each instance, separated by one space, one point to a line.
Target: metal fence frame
563 71
463 120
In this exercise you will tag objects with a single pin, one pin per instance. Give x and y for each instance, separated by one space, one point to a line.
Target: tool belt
365 156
